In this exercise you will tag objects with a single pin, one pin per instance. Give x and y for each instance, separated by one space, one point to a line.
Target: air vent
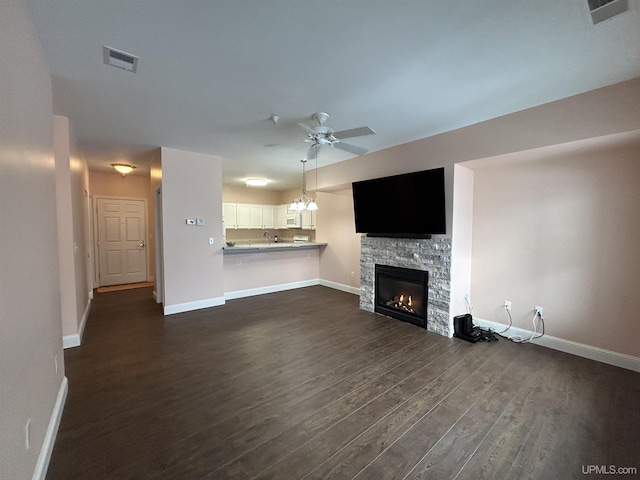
120 59
603 9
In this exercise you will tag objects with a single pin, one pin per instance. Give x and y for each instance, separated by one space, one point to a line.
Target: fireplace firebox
402 293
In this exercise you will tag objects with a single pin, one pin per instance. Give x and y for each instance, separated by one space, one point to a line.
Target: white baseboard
70 341
586 351
270 289
340 286
189 306
52 430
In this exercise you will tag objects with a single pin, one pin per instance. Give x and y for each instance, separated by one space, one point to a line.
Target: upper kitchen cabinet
229 215
249 216
243 216
309 219
281 216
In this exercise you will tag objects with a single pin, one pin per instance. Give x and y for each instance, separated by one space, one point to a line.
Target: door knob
141 244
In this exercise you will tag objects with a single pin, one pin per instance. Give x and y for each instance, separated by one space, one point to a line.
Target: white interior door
121 241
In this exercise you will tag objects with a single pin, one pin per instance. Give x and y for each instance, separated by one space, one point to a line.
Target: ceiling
212 72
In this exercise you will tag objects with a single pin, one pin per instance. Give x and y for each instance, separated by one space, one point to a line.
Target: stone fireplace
429 255
402 293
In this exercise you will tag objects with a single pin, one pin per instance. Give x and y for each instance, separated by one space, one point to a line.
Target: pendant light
304 202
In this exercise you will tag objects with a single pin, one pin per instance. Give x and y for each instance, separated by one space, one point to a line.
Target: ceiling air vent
603 9
120 59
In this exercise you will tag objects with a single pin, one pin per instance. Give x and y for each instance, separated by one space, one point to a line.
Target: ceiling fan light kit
318 136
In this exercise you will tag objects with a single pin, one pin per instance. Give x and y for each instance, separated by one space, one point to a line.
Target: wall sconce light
123 168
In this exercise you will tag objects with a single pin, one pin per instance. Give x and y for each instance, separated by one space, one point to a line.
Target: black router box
463 328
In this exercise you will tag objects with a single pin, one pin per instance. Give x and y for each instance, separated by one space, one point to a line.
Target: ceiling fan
320 135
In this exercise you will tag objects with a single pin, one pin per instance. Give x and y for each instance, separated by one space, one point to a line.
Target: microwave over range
294 220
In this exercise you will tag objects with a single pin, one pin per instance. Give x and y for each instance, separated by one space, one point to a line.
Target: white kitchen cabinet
268 216
243 215
281 216
257 216
309 219
229 216
254 216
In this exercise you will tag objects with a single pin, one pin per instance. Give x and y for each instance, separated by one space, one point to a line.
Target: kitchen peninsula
256 268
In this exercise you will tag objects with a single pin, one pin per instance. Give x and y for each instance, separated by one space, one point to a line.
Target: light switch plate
199 221
191 221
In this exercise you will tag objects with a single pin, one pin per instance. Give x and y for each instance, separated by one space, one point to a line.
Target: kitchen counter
265 247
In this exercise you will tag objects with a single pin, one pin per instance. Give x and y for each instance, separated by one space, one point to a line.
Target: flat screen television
410 205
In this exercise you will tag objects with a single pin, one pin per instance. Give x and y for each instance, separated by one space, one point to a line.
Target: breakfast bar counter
268 247
257 268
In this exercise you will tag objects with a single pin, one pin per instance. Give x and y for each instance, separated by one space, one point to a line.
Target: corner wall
72 191
193 269
340 259
31 390
561 232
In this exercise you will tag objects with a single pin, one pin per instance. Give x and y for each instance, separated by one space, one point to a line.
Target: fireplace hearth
402 293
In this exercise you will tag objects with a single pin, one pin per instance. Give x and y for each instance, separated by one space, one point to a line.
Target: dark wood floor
302 384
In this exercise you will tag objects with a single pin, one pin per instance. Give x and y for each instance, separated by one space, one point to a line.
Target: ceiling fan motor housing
320 117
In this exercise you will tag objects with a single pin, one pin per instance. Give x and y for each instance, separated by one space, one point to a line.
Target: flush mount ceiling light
123 168
256 182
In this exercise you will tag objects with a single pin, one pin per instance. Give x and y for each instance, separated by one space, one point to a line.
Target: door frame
159 251
94 215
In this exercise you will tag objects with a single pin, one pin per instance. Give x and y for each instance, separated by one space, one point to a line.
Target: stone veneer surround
432 255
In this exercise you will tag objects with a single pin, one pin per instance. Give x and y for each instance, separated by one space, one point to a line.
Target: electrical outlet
507 305
353 274
538 309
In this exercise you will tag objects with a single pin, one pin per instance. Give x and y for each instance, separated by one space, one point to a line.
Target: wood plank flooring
303 384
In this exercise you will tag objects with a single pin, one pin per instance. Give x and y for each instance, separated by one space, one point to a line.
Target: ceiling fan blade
306 128
347 147
312 152
354 132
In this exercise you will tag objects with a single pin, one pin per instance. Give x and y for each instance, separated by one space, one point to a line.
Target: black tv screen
409 205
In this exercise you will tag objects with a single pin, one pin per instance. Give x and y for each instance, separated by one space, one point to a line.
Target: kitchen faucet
266 236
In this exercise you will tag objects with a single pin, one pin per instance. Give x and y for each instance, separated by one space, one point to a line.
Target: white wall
193 269
72 221
30 318
336 226
461 239
262 272
561 232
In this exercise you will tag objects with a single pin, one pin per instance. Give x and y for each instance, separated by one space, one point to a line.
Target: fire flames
400 303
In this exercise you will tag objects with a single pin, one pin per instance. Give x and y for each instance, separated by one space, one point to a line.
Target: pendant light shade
305 202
